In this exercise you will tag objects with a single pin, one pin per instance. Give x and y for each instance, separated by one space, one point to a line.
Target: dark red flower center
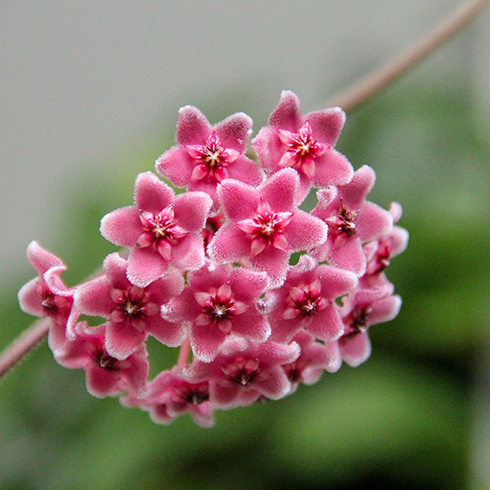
242 371
211 159
356 321
105 361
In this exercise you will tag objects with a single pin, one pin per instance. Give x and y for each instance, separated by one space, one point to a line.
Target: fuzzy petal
234 131
327 124
145 265
287 115
122 227
151 194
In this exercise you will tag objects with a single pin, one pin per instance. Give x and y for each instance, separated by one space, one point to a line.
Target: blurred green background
411 417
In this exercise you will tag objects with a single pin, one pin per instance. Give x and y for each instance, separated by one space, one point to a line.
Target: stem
21 346
349 100
184 352
369 86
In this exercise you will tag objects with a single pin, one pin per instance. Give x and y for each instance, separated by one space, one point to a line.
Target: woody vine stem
350 100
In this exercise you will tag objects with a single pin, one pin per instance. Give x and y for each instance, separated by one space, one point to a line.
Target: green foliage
400 421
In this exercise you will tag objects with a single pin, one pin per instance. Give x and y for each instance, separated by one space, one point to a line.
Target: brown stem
366 88
349 100
21 346
184 353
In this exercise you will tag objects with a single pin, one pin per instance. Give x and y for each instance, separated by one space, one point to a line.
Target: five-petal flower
161 229
264 226
205 155
305 143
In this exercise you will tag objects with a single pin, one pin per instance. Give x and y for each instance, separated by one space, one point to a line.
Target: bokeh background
90 93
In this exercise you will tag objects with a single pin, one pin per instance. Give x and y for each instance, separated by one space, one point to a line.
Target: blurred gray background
82 80
84 85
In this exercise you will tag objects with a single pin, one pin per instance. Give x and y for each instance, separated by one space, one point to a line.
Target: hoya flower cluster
211 270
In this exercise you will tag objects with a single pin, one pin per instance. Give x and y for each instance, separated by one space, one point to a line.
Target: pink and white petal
239 200
144 266
170 334
349 257
373 222
53 281
234 131
275 386
162 291
57 341
29 299
385 309
326 125
356 349
360 186
205 341
252 326
122 226
102 382
334 357
287 115
274 262
332 168
269 148
396 211
208 276
328 202
176 165
203 415
230 244
193 128
247 171
41 259
279 190
181 308
122 339
191 210
248 284
226 395
114 267
399 240
151 194
283 330
188 253
305 231
210 189
327 325
135 377
94 298
336 282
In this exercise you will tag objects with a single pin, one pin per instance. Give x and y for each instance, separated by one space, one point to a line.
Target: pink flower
218 302
132 312
380 252
315 358
213 224
170 396
306 301
304 143
105 375
362 309
242 372
161 229
264 226
351 222
205 155
209 270
46 295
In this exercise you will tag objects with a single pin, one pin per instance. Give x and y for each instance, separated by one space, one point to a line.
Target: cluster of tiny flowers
211 270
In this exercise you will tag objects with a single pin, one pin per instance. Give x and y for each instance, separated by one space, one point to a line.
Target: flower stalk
368 87
255 324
